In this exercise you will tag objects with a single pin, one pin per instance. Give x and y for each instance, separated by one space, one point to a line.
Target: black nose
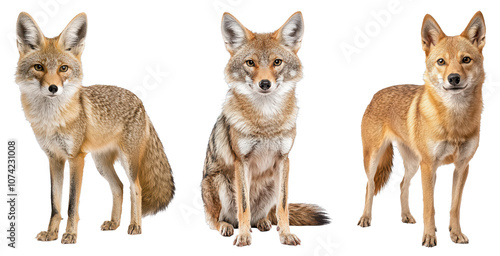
53 88
454 79
265 84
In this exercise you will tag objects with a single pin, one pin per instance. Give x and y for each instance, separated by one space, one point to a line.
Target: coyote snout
265 85
263 78
455 83
51 85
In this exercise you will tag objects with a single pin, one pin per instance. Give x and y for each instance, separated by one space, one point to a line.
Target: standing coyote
432 125
70 120
245 177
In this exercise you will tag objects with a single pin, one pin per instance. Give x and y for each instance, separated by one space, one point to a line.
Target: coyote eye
38 67
466 59
277 62
441 62
250 63
63 68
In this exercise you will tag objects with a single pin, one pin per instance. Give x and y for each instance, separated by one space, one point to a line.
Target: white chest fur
462 150
262 153
57 143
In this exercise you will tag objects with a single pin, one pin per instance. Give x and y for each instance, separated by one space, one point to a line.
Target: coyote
245 177
70 120
434 124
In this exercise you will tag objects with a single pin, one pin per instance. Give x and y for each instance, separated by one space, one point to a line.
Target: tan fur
107 121
432 125
245 177
384 169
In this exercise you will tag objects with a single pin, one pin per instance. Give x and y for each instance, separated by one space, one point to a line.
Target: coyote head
454 63
263 64
50 67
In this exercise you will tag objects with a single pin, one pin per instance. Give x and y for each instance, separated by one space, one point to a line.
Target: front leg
459 177
282 206
56 185
76 173
243 201
428 181
466 152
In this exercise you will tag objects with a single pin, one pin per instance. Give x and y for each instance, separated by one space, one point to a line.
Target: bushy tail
302 215
384 169
155 176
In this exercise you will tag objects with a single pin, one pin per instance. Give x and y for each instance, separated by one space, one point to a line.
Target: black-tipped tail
303 215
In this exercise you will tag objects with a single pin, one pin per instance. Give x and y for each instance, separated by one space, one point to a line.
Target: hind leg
265 209
130 162
411 163
212 204
264 224
371 160
104 163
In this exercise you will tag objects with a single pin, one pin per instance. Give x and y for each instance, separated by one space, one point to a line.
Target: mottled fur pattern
245 177
70 120
434 124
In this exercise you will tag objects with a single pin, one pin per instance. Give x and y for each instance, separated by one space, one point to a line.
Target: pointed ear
290 34
234 33
476 31
431 33
72 38
29 35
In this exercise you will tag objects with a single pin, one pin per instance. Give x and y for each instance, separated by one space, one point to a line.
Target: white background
126 40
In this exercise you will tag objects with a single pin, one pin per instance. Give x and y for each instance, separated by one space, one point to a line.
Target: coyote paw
243 239
364 222
109 225
134 229
429 240
226 229
289 239
68 238
264 225
46 236
459 237
408 218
